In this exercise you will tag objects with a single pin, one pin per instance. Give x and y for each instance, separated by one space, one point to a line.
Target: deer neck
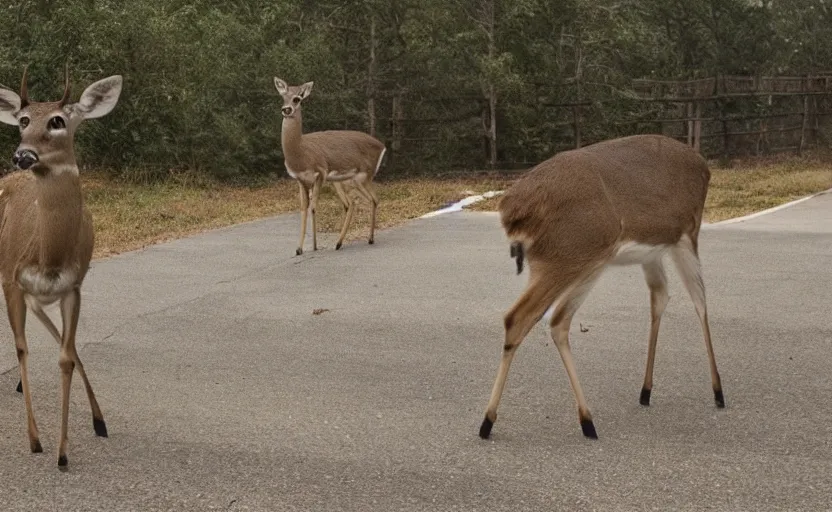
290 137
59 203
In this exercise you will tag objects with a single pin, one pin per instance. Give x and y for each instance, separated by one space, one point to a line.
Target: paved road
222 391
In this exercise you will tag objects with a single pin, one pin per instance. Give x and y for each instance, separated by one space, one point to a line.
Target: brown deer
46 233
344 157
620 202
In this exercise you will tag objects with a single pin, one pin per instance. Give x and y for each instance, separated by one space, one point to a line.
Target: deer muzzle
24 158
287 111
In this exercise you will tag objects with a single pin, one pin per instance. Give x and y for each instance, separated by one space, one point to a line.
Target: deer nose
24 158
287 111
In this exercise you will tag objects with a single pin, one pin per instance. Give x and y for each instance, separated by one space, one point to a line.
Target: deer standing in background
619 202
339 156
46 233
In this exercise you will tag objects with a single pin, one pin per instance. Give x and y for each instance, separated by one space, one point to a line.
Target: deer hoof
644 399
719 399
588 429
100 427
485 428
298 251
337 246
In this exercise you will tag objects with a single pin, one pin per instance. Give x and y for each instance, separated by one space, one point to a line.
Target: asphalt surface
223 391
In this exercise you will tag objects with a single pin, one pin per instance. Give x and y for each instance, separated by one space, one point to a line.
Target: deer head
293 96
47 129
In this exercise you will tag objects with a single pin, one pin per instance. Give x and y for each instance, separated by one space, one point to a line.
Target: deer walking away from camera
46 232
620 202
344 157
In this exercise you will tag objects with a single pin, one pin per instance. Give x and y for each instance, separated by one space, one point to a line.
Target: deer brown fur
46 233
349 159
619 202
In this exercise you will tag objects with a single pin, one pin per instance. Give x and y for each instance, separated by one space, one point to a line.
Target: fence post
397 122
689 115
697 126
804 124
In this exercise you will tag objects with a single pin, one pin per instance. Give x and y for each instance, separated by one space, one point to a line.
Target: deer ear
99 98
306 90
9 106
281 86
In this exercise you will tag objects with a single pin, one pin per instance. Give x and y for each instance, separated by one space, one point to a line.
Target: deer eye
23 122
296 100
57 123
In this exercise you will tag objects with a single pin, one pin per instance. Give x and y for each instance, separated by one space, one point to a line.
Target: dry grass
748 188
744 188
130 216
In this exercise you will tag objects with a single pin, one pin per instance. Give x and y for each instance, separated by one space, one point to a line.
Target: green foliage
198 91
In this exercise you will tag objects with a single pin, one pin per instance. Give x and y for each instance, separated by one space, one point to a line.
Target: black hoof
588 429
371 242
20 386
485 428
644 399
62 462
100 427
36 447
337 246
298 252
719 399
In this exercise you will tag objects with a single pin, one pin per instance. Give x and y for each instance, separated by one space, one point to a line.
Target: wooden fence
719 116
731 115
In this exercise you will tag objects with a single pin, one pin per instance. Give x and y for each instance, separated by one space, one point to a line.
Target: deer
46 233
347 158
625 201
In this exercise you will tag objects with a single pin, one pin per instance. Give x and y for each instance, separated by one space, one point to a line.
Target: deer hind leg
687 262
304 210
316 191
98 423
348 211
519 320
366 190
559 329
657 282
16 308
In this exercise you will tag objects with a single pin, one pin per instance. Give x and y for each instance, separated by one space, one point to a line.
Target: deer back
340 150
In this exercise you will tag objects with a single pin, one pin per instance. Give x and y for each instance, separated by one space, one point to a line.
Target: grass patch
748 188
743 188
128 215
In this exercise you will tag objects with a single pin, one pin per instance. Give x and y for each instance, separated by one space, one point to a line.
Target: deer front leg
657 282
304 208
16 308
316 191
98 423
70 308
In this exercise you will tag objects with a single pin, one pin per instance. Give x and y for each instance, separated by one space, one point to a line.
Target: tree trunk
371 78
492 93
